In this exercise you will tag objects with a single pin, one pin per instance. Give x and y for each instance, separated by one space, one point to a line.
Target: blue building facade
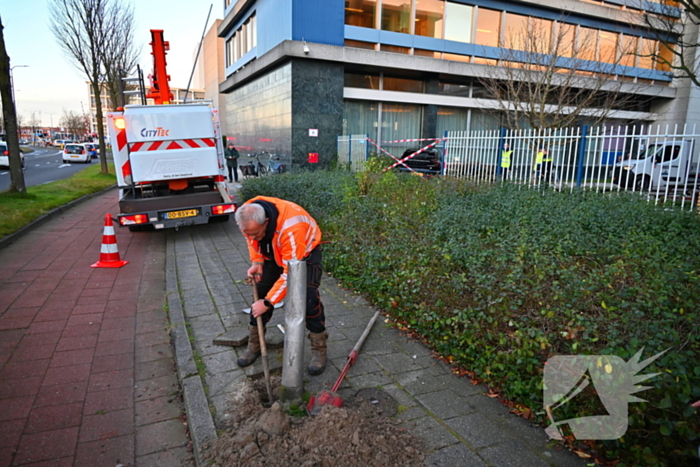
301 72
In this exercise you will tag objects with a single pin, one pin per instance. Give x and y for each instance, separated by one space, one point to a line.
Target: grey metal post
292 388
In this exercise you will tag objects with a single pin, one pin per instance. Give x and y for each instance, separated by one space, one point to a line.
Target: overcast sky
51 83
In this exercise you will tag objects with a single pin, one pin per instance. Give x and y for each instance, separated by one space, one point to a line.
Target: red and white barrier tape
388 153
415 153
409 140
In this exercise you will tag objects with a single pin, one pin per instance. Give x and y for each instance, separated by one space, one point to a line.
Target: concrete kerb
8 239
199 417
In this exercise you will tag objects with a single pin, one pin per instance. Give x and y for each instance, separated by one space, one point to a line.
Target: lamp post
12 82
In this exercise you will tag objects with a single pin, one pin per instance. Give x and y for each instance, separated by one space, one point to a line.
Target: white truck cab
170 165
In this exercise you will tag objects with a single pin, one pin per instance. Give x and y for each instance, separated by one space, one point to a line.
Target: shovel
325 397
263 346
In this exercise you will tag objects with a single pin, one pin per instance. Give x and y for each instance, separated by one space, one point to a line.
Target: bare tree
9 116
33 123
121 55
82 28
73 122
676 28
552 76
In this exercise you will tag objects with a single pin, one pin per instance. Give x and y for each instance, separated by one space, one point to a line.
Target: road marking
4 173
48 182
63 165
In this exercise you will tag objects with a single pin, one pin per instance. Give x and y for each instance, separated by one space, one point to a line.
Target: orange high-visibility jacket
296 234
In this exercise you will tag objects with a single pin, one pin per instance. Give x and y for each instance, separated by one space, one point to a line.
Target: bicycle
277 167
254 168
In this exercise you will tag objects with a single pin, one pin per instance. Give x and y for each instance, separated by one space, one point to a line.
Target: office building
300 72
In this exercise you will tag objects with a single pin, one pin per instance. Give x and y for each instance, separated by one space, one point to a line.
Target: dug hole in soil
352 435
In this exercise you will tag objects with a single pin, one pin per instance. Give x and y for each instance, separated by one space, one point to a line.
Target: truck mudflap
176 218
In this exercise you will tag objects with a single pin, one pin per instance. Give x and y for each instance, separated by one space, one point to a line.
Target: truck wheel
642 183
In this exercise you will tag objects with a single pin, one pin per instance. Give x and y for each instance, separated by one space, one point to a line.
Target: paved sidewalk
206 268
87 373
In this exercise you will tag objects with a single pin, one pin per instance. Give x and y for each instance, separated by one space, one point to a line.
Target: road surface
43 165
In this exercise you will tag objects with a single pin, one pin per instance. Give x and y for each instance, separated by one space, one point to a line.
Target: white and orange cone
109 254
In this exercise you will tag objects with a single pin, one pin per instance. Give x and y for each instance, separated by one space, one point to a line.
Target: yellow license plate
181 214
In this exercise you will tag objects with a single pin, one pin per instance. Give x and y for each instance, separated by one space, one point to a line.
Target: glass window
360 13
359 44
648 51
607 46
666 53
485 61
586 45
429 18
488 27
252 29
395 49
628 49
357 80
516 36
540 36
427 53
396 15
450 89
360 118
458 58
400 121
564 42
402 84
458 22
451 119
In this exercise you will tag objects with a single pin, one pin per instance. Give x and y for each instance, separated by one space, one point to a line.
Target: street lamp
12 82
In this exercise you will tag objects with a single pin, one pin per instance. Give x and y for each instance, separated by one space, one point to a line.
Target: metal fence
659 162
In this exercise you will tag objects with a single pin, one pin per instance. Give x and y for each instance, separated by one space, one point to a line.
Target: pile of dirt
355 434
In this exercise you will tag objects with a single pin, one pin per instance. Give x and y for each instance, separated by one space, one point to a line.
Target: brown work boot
318 352
253 350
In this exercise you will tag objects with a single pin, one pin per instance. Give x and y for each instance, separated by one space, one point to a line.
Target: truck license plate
181 214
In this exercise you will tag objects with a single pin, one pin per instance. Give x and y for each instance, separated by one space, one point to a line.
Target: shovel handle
263 344
364 335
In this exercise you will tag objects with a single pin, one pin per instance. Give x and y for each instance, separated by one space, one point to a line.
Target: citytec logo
612 380
159 131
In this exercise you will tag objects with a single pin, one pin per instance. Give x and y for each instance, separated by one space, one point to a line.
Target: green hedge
502 278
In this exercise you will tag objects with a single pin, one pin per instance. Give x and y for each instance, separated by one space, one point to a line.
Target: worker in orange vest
277 232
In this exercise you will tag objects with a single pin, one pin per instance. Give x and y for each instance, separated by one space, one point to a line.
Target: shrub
499 279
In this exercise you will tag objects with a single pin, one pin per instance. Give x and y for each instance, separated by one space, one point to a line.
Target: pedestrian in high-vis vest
544 163
277 232
506 161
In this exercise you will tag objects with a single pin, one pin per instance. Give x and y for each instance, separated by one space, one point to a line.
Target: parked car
425 163
5 156
75 152
92 149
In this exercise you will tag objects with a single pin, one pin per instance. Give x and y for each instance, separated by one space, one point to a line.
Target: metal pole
581 156
292 387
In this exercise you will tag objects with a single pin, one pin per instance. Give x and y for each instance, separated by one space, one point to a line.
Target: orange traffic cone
109 255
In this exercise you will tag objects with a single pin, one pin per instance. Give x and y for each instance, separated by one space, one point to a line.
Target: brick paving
87 375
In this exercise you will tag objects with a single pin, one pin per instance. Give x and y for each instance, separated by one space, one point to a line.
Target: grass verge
19 209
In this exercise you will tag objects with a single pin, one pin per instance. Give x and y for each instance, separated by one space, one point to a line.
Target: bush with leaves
499 279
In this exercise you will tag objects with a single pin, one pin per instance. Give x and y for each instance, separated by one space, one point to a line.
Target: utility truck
169 161
659 165
169 158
